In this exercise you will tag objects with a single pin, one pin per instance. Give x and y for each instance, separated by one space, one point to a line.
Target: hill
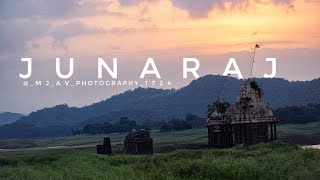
299 115
8 117
158 104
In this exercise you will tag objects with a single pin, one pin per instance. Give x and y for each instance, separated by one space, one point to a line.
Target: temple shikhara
248 121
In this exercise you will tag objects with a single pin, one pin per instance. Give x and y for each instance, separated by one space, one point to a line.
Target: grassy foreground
263 161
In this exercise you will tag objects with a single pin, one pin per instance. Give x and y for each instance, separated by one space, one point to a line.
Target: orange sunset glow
159 26
166 30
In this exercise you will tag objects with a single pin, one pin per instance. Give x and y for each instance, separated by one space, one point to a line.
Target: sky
133 30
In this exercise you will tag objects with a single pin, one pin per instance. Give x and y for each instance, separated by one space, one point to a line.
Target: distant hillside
157 104
299 115
8 117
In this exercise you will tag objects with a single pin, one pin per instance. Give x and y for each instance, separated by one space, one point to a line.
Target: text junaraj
187 62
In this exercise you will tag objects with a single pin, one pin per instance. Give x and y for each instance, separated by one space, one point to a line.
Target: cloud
198 9
72 29
122 30
25 20
288 3
202 9
49 8
15 33
130 2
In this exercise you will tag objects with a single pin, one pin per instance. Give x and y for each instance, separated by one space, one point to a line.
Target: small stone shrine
138 142
105 148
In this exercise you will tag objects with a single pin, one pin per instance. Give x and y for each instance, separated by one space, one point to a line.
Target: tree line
287 115
298 114
190 121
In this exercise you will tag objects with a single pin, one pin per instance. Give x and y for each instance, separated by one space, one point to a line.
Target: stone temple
248 121
138 142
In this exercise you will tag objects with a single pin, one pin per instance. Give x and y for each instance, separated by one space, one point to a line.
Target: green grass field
299 129
163 142
74 157
263 161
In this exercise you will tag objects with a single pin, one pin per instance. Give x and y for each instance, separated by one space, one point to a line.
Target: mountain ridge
9 117
158 104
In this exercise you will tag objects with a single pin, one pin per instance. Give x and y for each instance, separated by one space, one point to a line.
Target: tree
256 87
218 106
165 127
178 124
146 125
195 121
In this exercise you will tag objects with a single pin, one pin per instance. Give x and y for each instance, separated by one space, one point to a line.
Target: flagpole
224 81
254 53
